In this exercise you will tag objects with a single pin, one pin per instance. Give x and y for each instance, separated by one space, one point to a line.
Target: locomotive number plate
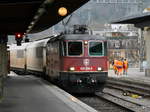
85 68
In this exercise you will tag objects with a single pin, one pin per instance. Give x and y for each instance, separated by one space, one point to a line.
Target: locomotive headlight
71 68
99 68
86 42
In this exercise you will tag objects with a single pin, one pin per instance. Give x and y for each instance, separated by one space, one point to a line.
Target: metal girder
141 20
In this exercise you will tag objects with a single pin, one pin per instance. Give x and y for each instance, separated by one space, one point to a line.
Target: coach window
20 54
75 48
96 48
39 52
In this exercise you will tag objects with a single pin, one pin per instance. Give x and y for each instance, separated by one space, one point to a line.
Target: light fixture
62 11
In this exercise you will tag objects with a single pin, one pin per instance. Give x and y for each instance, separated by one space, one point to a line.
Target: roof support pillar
141 49
3 62
147 40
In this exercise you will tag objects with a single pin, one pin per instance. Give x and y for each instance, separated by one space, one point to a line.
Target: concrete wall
3 65
147 40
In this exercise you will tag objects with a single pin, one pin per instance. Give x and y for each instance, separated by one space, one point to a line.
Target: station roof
33 15
140 20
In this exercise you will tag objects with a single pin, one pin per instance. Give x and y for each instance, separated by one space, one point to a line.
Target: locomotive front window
96 49
74 48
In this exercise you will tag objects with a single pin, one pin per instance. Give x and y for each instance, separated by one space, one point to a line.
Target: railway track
123 102
129 86
121 96
129 94
112 102
101 104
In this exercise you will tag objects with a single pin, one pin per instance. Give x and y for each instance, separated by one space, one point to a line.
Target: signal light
18 37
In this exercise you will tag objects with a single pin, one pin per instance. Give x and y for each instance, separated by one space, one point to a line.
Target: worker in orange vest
125 66
114 63
120 67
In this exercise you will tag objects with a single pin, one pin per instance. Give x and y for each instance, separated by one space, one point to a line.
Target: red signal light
18 35
19 38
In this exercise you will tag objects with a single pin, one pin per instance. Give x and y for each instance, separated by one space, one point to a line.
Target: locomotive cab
86 55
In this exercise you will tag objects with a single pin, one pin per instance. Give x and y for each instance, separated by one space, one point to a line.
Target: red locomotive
78 62
75 61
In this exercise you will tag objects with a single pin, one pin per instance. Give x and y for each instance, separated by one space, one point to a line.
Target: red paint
77 62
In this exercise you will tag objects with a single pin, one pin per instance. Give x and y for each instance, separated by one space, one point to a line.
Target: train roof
83 37
78 37
15 47
40 43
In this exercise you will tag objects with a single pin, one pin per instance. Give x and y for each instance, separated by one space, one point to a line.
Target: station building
141 21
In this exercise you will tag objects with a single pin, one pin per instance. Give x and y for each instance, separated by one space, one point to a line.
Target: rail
129 86
127 104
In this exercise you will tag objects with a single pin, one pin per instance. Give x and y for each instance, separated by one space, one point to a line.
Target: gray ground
28 95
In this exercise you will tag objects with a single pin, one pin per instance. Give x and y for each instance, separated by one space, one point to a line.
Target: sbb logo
86 62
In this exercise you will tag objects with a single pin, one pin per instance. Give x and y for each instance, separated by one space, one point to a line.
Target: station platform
32 94
133 74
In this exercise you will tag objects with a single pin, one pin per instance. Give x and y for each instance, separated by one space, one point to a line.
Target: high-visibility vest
125 64
114 65
115 62
118 63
